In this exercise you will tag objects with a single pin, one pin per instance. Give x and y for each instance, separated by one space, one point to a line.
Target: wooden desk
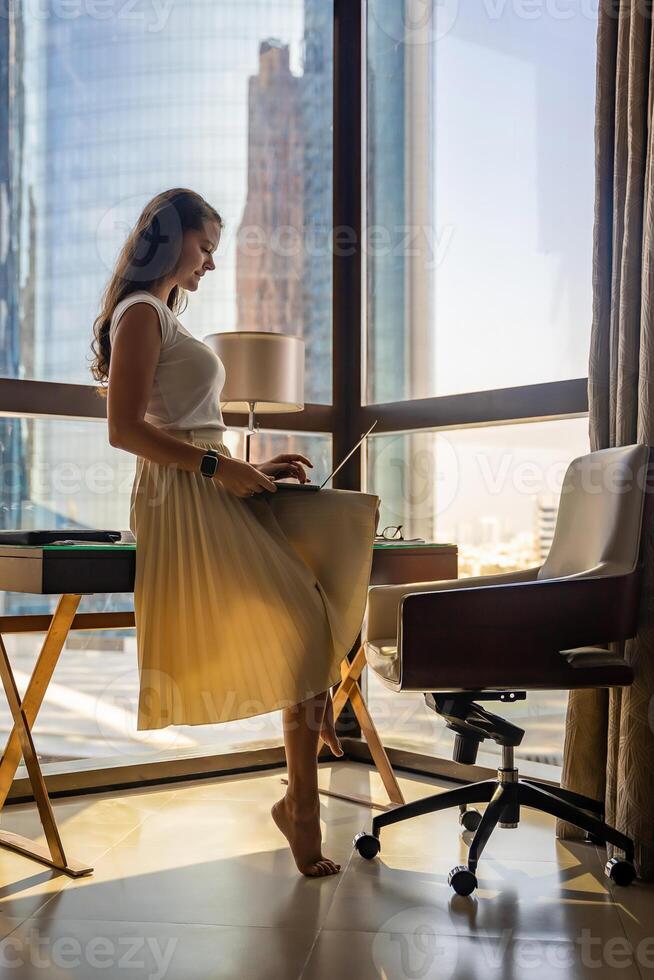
69 571
395 563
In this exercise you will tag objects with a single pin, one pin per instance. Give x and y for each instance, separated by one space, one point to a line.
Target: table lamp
264 372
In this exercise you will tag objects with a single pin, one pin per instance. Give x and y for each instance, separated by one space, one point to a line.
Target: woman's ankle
303 803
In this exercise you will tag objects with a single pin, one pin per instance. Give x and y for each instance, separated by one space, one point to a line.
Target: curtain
609 744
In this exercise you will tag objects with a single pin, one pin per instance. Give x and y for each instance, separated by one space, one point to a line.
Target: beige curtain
609 746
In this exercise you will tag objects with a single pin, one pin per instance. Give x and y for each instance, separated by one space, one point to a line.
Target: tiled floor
194 881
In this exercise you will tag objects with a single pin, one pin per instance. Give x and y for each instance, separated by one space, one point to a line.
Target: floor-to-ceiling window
475 258
479 230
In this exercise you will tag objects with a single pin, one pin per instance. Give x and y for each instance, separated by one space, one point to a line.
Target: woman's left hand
285 464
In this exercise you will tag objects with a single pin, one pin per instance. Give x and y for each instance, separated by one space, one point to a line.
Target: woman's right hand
241 478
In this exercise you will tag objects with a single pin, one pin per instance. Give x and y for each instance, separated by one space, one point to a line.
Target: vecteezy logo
416 944
116 714
415 21
416 474
155 252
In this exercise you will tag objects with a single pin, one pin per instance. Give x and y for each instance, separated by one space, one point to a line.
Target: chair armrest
510 635
381 615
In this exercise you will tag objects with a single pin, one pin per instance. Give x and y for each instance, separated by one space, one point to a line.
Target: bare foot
327 730
301 828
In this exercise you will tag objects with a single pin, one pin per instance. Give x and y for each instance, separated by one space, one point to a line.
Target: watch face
209 465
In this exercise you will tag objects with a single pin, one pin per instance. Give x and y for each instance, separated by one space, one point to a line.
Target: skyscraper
399 209
269 263
16 340
545 520
317 129
283 261
285 286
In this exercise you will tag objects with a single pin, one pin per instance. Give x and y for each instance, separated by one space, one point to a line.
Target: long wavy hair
150 253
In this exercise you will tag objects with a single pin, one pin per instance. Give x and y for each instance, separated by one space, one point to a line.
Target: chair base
505 796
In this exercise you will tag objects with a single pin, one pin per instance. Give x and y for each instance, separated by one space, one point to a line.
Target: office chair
495 637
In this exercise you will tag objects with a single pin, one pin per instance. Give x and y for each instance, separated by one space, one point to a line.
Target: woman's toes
322 868
330 737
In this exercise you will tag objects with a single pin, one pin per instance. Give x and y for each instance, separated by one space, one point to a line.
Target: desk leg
349 690
20 741
377 750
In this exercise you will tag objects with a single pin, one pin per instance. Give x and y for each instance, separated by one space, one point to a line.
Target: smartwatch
209 463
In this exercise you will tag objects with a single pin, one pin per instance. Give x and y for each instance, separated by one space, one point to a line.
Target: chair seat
594 665
383 657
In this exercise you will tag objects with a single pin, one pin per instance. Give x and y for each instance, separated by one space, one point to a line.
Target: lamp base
252 428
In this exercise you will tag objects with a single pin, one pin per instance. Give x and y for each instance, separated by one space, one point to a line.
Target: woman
231 619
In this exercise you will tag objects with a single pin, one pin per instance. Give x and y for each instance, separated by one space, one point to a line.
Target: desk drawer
78 572
396 566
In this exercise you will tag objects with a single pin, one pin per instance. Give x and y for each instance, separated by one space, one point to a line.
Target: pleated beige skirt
242 605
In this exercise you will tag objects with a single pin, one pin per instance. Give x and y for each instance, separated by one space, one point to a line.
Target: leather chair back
598 527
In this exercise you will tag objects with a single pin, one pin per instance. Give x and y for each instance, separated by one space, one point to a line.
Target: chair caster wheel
470 819
621 872
462 880
367 845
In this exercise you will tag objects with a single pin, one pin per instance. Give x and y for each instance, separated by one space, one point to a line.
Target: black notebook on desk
47 537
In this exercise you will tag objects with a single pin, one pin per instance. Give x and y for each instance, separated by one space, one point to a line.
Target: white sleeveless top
189 375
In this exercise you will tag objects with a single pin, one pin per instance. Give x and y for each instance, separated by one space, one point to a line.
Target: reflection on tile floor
193 881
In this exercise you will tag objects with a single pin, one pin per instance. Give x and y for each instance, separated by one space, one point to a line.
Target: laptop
283 485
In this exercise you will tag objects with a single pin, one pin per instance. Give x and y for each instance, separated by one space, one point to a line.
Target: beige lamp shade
261 367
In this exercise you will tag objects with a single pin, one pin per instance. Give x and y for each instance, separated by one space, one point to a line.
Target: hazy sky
513 112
